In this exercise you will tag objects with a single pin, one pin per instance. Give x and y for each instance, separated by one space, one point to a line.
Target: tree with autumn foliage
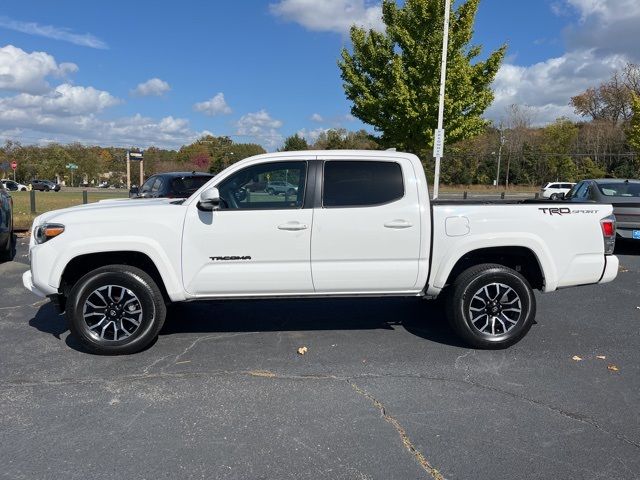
393 77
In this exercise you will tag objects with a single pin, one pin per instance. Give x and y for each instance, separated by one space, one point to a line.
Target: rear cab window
361 183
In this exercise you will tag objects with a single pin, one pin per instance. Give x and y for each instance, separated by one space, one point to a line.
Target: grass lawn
47 201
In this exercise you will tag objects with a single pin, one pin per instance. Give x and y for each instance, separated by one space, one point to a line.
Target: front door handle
292 226
398 224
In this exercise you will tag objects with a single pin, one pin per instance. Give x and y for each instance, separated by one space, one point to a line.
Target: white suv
556 190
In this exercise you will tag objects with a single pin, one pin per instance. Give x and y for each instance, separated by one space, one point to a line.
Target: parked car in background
623 194
103 184
171 185
13 186
274 188
6 224
556 190
45 185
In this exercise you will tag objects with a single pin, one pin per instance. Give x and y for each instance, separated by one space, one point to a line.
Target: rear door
366 227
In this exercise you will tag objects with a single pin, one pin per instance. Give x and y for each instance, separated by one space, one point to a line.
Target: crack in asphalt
406 441
321 376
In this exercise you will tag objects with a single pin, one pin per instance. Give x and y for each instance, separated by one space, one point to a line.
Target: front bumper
611 267
27 281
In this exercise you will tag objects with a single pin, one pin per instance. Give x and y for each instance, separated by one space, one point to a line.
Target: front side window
361 184
266 186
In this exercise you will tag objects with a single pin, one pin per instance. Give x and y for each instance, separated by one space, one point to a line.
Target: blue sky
142 72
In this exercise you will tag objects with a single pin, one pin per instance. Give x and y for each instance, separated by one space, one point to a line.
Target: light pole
499 156
438 138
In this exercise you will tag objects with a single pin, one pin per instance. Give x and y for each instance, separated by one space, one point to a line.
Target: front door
258 242
366 233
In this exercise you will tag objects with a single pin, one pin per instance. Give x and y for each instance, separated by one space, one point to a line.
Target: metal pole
128 171
443 79
141 172
85 198
499 157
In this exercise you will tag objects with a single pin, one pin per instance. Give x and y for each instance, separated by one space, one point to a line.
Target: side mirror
209 200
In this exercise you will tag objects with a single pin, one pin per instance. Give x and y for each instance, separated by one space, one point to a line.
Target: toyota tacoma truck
357 223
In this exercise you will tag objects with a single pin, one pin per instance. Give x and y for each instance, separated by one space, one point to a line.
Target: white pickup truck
355 223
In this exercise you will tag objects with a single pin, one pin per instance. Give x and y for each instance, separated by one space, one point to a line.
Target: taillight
608 225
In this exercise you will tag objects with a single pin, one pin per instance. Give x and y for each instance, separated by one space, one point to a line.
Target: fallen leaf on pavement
621 269
576 358
601 357
613 368
302 350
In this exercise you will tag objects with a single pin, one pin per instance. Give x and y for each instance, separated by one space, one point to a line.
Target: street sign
14 165
438 143
72 166
136 156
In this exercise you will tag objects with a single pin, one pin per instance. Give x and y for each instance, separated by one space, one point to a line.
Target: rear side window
361 184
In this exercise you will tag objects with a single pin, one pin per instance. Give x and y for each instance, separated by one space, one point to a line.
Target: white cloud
330 15
601 41
27 72
152 87
312 135
214 106
260 126
316 117
56 33
548 86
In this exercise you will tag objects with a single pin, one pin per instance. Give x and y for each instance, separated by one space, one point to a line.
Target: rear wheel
491 306
554 197
270 191
46 189
116 309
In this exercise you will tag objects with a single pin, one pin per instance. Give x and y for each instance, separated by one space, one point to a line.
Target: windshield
620 189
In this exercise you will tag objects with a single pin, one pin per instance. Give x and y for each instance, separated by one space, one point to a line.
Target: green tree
633 132
341 139
558 141
393 78
294 143
233 153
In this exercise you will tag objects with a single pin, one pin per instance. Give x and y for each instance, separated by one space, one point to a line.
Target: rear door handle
292 226
398 224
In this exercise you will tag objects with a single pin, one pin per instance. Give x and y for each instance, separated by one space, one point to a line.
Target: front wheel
491 306
116 309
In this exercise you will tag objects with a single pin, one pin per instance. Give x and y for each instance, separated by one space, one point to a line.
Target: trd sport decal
564 211
230 257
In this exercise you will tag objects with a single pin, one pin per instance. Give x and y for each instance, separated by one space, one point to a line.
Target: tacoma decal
230 257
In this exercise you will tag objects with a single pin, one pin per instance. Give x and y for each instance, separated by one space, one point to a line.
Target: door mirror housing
209 200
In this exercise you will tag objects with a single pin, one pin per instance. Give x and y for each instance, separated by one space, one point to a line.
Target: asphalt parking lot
384 392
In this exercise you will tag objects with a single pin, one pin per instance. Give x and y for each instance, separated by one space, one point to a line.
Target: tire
46 189
23 189
270 191
554 197
291 192
130 288
466 309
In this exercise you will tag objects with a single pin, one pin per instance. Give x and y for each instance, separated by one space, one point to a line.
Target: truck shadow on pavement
425 319
627 247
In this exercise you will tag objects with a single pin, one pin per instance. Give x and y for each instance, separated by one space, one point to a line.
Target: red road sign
14 165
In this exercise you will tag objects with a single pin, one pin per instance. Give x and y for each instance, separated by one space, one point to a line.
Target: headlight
47 231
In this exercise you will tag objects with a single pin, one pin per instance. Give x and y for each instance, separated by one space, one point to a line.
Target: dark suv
6 224
45 185
171 185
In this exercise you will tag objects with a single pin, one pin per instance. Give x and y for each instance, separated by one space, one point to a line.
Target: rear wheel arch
521 259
